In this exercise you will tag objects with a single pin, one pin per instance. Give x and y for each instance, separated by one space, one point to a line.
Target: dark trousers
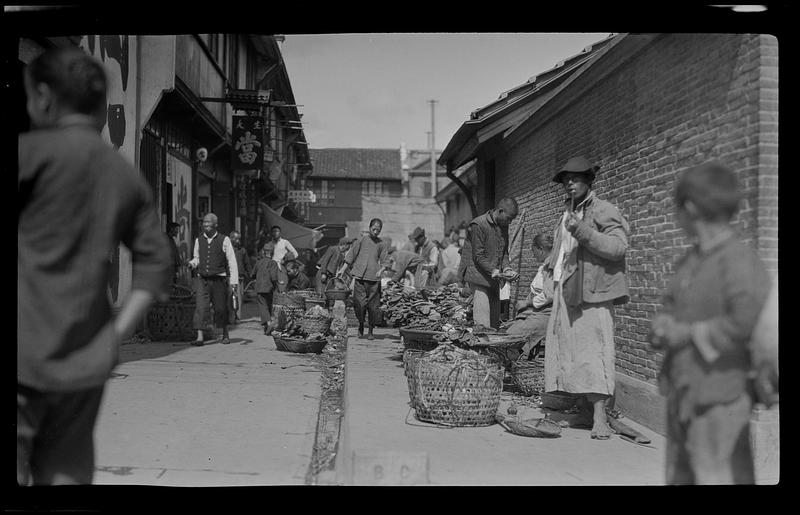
55 443
367 297
264 301
214 289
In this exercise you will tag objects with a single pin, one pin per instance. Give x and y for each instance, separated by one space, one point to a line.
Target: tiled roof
356 163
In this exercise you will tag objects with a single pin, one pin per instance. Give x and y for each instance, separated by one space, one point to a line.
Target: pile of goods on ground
429 309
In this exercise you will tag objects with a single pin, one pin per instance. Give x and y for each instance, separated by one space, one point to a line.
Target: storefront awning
299 236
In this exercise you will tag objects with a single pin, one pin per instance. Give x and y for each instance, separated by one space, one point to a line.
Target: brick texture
682 100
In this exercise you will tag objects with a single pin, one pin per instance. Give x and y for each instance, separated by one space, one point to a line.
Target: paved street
217 415
383 443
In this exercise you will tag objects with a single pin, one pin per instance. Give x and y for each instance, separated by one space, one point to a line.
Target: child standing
710 309
265 272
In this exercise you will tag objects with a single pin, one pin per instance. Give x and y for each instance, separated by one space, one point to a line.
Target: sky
373 90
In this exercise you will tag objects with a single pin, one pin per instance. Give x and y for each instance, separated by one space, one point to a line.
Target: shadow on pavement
136 351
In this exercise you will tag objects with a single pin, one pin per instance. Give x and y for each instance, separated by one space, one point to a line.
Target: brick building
643 107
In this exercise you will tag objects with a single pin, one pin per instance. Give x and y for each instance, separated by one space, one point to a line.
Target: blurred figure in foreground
710 309
77 200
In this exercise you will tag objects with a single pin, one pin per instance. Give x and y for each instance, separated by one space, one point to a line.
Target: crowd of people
717 335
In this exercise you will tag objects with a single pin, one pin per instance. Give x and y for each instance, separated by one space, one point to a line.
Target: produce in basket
297 335
317 312
426 308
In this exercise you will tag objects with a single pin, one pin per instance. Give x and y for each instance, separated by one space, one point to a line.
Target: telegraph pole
434 187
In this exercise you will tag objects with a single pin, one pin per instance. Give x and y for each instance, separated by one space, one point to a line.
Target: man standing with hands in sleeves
588 263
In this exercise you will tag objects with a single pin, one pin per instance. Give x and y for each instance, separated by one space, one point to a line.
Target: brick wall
682 100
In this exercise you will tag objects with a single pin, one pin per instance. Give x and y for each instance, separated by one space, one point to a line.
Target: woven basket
172 320
410 358
419 338
464 394
288 299
180 292
538 427
299 345
525 375
305 294
314 301
283 314
315 324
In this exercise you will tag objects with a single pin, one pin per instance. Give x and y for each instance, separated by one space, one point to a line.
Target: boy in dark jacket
297 279
265 272
710 309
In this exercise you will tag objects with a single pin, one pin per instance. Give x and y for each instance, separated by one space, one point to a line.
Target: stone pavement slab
379 422
238 414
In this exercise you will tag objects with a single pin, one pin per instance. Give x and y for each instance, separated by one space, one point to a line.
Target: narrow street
246 414
217 415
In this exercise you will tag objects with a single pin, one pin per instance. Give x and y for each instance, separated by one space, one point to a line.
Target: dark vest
212 257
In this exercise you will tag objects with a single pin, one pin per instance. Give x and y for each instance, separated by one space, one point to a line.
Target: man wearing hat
588 264
330 262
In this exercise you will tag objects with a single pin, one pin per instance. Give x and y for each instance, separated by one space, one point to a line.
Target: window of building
233 62
373 188
324 190
426 189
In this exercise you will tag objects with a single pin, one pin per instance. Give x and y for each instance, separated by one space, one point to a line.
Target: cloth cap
577 164
418 232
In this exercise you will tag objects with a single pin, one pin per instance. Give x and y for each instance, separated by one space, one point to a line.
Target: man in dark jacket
297 279
330 262
244 265
172 233
77 200
489 264
265 273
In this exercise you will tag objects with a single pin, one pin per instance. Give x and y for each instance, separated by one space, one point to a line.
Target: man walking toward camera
213 252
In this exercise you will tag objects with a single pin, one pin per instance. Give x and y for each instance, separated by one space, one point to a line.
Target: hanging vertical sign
248 143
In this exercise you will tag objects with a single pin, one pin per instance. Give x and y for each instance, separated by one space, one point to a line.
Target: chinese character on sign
245 147
248 153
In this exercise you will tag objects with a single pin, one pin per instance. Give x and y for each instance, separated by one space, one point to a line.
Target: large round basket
291 300
283 314
526 375
312 325
305 294
462 394
314 301
410 358
419 338
172 320
299 345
